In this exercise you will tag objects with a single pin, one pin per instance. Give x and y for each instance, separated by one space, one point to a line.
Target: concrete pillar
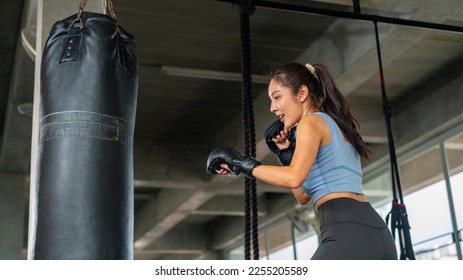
11 216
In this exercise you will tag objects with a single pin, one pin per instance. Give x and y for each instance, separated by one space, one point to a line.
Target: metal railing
438 247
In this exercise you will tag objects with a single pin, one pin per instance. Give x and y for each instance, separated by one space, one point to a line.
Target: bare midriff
331 196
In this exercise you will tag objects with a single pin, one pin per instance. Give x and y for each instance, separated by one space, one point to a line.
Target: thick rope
251 219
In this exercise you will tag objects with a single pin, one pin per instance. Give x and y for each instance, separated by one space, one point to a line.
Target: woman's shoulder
314 122
312 119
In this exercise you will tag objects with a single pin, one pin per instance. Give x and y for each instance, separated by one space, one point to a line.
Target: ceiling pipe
349 15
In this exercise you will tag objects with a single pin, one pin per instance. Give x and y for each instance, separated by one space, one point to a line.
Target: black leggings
353 230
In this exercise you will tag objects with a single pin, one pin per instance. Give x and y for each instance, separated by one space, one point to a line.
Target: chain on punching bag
84 176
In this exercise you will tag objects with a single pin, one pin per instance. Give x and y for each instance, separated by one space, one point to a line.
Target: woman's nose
273 107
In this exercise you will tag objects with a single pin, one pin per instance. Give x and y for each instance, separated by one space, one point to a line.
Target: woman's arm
310 134
301 197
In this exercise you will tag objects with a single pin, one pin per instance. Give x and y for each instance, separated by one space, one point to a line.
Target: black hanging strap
398 213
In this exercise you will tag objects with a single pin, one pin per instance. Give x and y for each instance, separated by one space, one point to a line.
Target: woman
326 164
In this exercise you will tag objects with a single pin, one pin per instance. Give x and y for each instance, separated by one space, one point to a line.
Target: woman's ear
303 93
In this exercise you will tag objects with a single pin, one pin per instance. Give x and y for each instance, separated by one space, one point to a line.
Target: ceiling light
210 74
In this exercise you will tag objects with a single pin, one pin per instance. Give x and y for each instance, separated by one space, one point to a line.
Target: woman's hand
224 170
281 140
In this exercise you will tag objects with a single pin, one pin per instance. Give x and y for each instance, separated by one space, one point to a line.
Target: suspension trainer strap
398 213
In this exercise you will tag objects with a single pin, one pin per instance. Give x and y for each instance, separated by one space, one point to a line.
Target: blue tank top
337 167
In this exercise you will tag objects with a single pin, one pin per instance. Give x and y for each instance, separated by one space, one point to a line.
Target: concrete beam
183 239
430 115
169 208
229 206
165 161
221 185
229 231
163 213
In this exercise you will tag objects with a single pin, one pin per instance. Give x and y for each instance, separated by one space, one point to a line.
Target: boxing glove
284 155
237 163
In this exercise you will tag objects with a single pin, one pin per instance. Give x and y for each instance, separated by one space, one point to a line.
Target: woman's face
284 104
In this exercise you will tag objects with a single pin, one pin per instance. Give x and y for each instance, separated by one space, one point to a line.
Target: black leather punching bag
83 206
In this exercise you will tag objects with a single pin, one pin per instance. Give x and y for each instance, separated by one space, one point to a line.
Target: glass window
306 247
379 190
430 226
454 153
426 201
430 222
421 170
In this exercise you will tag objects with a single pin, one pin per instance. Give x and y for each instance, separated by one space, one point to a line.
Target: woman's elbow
294 183
294 179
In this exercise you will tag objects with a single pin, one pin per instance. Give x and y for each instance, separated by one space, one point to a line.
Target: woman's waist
348 207
335 181
335 195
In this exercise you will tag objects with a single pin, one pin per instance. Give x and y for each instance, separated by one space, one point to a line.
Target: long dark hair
325 95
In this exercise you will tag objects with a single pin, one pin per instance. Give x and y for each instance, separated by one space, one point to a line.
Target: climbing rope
251 234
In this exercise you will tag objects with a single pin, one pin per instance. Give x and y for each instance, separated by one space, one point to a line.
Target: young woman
325 167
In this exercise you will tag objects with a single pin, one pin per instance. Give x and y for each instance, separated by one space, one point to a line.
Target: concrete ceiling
180 211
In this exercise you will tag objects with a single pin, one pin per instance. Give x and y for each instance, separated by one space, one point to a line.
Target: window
454 155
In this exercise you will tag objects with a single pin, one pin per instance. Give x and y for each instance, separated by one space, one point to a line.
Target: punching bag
83 204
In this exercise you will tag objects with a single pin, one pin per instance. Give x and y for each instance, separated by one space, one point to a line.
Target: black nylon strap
398 212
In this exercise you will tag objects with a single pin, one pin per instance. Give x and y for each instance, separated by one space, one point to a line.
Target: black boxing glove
237 163
285 155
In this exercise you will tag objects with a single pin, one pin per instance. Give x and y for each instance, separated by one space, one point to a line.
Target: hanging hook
79 15
81 8
107 5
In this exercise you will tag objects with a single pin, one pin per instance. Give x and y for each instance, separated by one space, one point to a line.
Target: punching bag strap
108 5
72 42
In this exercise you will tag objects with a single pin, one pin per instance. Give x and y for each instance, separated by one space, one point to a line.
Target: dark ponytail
333 103
326 96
